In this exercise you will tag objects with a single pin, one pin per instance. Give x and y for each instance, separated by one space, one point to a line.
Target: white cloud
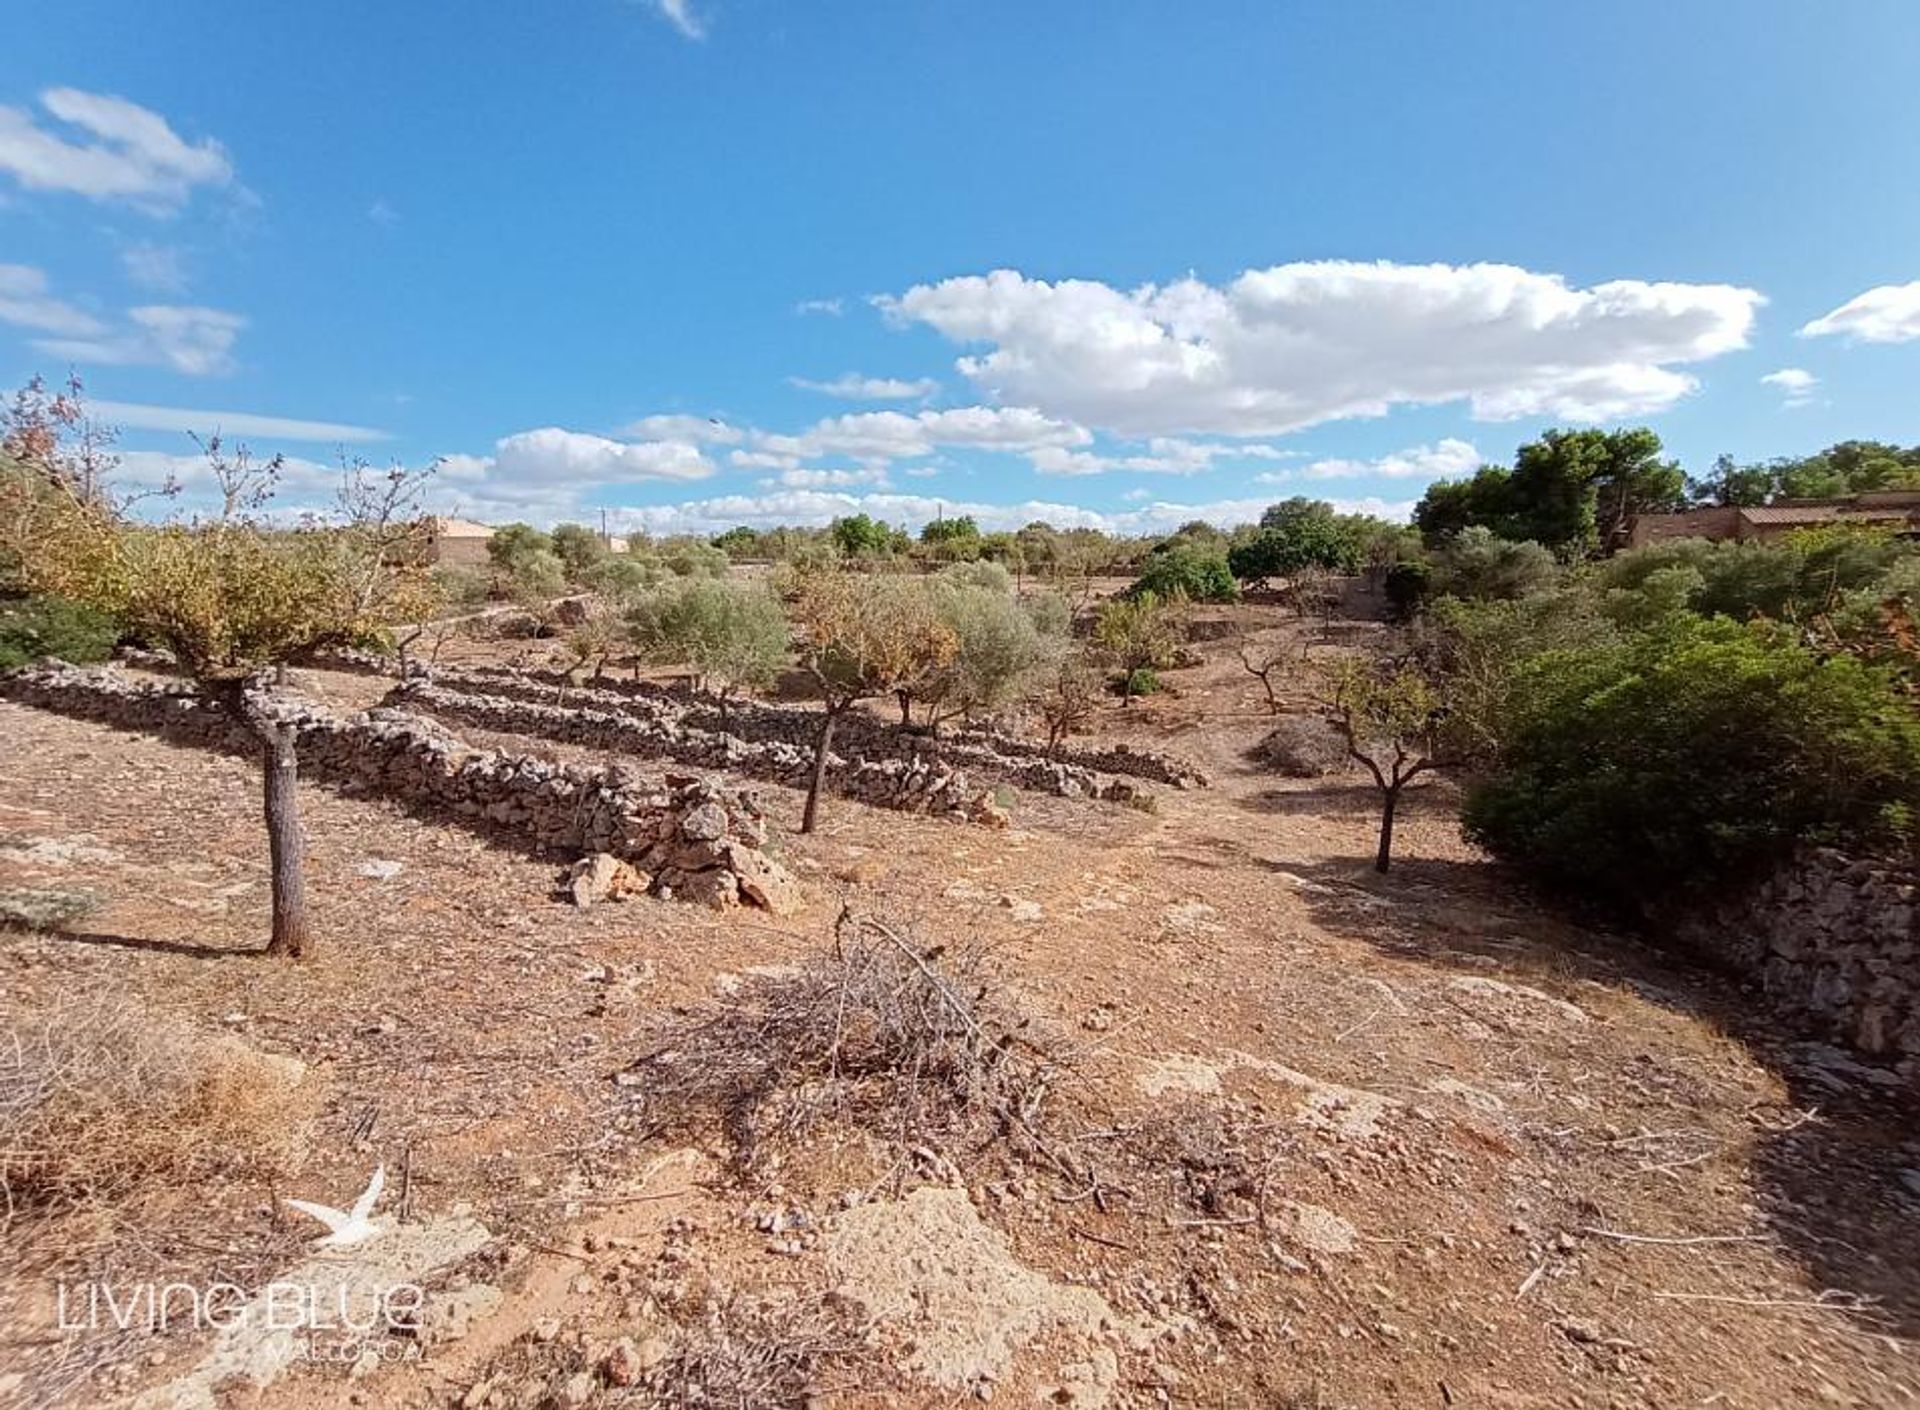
807 479
894 435
135 416
833 308
1449 459
1165 455
27 301
1887 314
553 456
679 14
1296 345
161 268
701 430
302 484
804 506
1795 382
382 212
189 339
123 152
854 387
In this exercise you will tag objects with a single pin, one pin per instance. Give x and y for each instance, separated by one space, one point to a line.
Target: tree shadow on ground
191 949
1835 1169
1345 796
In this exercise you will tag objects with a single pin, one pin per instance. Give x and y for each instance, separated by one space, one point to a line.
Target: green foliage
859 535
1294 534
1573 491
578 548
1139 631
732 633
991 576
1849 467
1476 564
460 587
742 543
1142 680
952 540
35 628
1408 586
1690 755
1795 578
1183 570
512 544
619 578
998 648
1052 614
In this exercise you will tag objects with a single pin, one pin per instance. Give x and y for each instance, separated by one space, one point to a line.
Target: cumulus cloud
27 301
1796 383
832 308
1448 459
676 426
1296 345
894 435
553 456
113 150
810 479
136 416
1165 455
1887 314
189 339
854 387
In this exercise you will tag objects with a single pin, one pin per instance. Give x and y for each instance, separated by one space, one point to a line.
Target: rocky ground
1336 1139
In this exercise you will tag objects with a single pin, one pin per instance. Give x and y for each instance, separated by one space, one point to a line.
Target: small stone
546 1329
622 1365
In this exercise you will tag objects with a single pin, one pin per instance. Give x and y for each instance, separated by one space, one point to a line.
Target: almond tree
1390 716
862 636
231 595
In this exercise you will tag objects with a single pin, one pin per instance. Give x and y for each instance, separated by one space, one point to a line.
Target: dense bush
1408 585
35 627
1803 574
1474 563
1690 755
1184 570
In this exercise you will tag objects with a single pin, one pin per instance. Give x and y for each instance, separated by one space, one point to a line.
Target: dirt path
1502 1159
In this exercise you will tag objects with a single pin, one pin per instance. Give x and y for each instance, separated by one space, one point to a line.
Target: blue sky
1112 262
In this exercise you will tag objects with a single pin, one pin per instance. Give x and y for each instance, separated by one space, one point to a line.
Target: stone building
1895 509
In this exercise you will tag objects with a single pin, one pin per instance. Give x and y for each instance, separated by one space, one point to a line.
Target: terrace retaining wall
693 839
1831 939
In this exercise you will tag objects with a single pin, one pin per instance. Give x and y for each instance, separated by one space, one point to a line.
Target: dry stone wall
692 838
1831 939
1005 755
915 786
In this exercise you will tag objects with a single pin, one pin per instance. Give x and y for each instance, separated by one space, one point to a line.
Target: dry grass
740 1353
103 1100
909 1043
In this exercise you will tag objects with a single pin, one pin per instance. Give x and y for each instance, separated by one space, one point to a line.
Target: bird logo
348 1227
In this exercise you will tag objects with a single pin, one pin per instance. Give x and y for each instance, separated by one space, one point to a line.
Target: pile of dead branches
908 1042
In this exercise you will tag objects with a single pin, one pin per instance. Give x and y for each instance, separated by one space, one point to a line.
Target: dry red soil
1463 1150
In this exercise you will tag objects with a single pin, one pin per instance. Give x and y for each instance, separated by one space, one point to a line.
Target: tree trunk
285 846
1384 857
819 770
906 708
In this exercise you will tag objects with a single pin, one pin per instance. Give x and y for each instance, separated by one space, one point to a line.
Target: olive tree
232 594
732 635
863 636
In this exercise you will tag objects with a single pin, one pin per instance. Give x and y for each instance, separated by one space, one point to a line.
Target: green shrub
1143 681
1183 570
1408 585
33 628
1690 756
1474 563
